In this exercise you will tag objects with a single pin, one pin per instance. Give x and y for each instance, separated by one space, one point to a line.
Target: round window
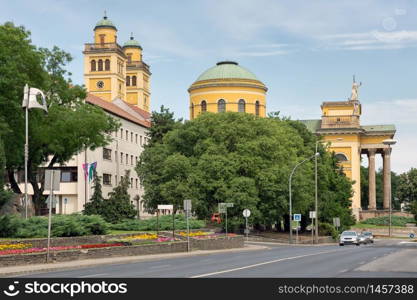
100 84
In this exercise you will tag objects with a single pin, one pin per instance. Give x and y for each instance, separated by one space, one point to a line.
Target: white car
349 237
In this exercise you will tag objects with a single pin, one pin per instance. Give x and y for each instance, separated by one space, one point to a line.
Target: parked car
363 239
369 236
349 237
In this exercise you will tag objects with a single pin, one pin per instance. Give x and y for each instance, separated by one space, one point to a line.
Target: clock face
100 84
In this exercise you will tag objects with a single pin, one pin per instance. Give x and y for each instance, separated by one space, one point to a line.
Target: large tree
70 126
407 190
239 158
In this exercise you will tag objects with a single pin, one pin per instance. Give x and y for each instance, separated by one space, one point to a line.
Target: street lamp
289 184
389 142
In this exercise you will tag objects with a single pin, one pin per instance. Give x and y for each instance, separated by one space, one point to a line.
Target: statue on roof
355 90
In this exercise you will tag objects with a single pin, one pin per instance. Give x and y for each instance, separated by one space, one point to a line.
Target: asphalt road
373 260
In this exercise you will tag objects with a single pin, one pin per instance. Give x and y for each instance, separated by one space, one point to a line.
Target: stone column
371 180
387 177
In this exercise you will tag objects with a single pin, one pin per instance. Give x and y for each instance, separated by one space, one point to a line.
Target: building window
136 159
127 135
257 108
131 182
131 137
129 58
341 157
203 106
221 106
121 133
141 140
192 111
131 160
107 64
115 179
106 179
102 38
115 156
136 138
93 65
127 159
134 80
136 183
121 157
127 80
241 106
106 153
100 65
69 175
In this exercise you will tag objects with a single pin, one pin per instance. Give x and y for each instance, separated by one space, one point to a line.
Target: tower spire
131 35
105 15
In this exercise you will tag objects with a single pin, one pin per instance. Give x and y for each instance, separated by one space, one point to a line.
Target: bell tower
105 63
138 76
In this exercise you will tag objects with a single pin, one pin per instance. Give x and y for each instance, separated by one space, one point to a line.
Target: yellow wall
337 110
231 95
374 139
110 35
135 52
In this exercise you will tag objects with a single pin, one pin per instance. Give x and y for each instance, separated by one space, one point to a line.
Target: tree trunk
12 181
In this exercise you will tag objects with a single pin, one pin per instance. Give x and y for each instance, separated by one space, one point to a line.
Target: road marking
92 275
261 264
158 267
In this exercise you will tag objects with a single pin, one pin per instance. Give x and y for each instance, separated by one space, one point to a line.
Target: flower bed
145 236
61 248
14 246
205 235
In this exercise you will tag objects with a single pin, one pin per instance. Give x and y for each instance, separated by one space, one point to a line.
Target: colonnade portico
385 152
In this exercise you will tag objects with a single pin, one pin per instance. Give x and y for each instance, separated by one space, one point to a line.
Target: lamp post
289 188
389 142
316 229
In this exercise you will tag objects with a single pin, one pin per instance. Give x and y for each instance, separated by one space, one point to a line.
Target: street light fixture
390 142
289 185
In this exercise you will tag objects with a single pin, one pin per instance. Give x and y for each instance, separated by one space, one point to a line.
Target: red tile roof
114 109
146 115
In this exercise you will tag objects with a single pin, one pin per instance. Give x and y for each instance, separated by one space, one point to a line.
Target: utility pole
316 220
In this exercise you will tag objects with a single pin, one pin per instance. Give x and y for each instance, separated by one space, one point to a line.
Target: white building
112 160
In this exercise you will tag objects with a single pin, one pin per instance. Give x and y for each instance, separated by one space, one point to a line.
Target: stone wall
369 214
398 232
160 248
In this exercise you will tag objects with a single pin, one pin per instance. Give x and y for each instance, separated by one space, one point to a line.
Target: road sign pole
296 232
157 222
247 230
50 215
188 231
173 223
312 231
226 221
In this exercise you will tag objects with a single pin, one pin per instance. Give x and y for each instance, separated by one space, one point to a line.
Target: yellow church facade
340 128
227 87
112 71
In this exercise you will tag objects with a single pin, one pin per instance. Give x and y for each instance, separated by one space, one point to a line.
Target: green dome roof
105 23
227 70
132 43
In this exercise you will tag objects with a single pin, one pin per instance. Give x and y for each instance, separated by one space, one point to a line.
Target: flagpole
26 150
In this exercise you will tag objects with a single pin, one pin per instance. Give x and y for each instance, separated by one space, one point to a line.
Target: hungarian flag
30 98
89 170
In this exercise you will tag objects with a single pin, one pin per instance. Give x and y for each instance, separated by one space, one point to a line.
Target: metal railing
103 47
340 122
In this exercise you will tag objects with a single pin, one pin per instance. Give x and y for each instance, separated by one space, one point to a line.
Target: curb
79 264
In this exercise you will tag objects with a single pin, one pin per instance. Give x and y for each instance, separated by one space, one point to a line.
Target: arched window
221 105
341 157
100 65
93 65
203 106
134 80
107 64
192 111
257 108
241 106
127 80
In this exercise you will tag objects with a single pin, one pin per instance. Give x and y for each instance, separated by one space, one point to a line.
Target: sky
306 52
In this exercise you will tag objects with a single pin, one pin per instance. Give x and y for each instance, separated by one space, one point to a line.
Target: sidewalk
59 266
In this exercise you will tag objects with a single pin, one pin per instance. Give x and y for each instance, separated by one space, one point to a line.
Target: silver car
349 237
369 236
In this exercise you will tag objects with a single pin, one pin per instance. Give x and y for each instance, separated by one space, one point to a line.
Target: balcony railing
137 65
340 122
103 47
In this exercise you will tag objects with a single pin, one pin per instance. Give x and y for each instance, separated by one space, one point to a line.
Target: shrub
328 229
396 221
165 223
8 225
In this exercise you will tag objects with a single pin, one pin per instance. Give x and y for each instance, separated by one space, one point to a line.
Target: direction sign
56 179
187 204
313 214
246 213
166 206
297 217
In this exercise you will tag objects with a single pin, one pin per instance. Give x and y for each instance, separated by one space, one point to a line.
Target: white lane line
261 264
92 275
158 267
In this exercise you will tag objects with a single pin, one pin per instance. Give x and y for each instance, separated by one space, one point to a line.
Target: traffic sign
297 217
246 213
55 180
187 204
411 235
166 206
336 222
313 214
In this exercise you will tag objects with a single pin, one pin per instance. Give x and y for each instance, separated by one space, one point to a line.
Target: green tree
162 122
70 125
407 190
118 207
95 205
238 158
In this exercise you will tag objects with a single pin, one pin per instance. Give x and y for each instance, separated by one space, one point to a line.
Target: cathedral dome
132 43
105 23
227 70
